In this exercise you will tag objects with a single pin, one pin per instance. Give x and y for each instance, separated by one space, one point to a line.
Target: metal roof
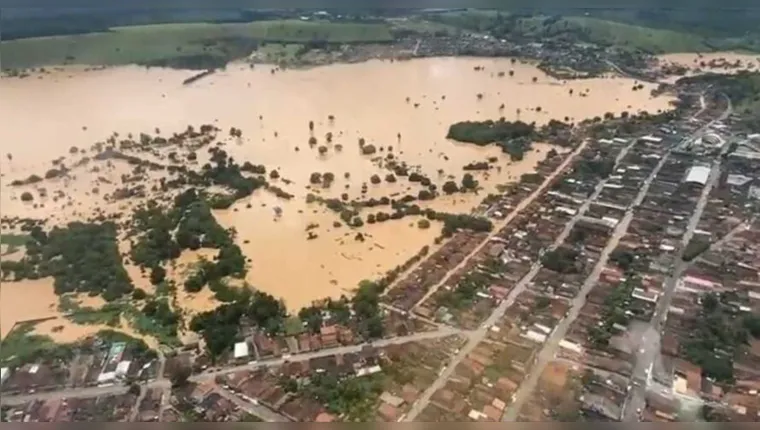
698 174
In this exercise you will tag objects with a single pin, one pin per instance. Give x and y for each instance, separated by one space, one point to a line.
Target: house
304 345
698 175
687 380
241 350
265 346
324 417
496 249
492 413
329 336
388 412
392 400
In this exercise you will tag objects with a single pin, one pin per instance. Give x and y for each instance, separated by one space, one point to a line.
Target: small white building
698 175
241 350
651 139
647 296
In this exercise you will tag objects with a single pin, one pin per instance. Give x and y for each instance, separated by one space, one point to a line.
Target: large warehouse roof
698 174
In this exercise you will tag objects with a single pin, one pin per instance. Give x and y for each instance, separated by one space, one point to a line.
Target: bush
450 187
375 179
157 275
53 173
468 182
26 196
425 195
486 132
423 224
452 223
139 294
368 149
328 179
531 178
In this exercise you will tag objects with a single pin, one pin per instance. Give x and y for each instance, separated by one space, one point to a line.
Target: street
209 376
649 348
549 349
478 335
501 224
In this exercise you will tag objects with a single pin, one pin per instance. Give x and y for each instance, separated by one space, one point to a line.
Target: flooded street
403 108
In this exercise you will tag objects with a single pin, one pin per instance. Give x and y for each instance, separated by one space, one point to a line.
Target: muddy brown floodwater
43 117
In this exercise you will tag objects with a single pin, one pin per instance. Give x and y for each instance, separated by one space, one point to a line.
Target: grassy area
22 346
277 53
293 326
110 314
422 26
473 20
591 29
154 44
13 242
615 33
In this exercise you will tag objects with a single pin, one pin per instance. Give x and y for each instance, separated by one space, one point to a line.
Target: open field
627 35
157 44
590 29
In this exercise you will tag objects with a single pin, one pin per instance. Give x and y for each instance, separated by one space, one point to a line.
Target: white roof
123 367
738 180
241 349
698 174
572 346
651 138
105 377
4 372
534 336
369 370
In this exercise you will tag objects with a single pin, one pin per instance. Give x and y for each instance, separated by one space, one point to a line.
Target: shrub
368 149
450 187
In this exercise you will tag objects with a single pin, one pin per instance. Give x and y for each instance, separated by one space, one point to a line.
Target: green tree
450 187
157 275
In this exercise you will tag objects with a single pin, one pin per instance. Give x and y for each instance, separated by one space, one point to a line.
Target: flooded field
715 62
403 108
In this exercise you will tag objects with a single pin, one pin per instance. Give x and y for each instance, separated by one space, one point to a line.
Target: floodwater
27 300
379 101
715 62
36 300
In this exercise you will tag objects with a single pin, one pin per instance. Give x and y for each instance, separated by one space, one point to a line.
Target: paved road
503 223
260 411
76 392
478 335
649 346
549 349
209 376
